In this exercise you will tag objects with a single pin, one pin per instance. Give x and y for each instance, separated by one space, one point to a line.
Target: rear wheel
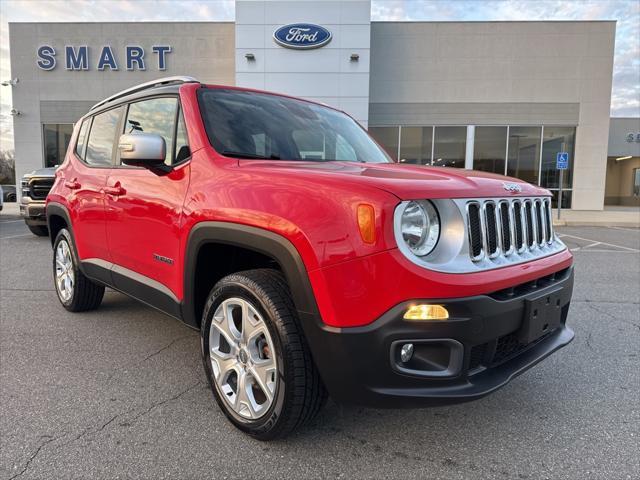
75 291
39 230
255 355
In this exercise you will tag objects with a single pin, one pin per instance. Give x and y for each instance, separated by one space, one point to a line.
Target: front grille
492 228
500 350
39 188
475 230
476 356
504 226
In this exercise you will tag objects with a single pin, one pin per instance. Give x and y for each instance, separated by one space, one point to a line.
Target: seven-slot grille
507 226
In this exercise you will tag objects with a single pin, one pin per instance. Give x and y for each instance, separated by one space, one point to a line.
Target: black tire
300 393
39 230
85 294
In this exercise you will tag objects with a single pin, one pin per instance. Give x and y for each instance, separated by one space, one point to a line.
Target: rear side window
102 138
156 115
82 138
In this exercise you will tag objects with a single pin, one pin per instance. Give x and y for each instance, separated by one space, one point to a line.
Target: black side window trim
175 137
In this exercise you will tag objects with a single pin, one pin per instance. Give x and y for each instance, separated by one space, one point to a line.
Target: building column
468 158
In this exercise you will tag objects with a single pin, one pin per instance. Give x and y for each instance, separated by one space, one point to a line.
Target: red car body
128 217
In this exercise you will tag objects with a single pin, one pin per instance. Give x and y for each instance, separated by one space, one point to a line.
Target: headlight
420 227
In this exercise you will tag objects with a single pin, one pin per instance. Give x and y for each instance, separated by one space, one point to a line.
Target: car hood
408 181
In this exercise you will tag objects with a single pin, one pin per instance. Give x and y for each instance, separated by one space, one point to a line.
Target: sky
625 98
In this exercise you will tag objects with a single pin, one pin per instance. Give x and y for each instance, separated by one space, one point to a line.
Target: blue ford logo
302 36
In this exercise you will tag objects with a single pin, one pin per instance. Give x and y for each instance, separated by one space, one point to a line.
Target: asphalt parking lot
120 393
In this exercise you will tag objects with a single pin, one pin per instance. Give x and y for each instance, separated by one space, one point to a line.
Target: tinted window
56 140
388 138
82 138
524 153
158 116
258 125
102 137
450 145
490 149
182 141
415 145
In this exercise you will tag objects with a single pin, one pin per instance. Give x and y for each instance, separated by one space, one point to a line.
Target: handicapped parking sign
562 161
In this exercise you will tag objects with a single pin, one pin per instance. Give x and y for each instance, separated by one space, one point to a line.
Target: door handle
72 184
116 190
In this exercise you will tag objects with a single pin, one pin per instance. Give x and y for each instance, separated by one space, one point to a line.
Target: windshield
259 125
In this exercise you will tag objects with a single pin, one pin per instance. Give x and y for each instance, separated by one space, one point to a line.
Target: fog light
426 312
406 352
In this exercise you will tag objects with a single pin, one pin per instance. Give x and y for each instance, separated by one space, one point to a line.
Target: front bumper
487 341
33 212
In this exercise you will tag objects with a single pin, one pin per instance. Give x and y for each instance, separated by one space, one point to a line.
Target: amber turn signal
367 222
426 312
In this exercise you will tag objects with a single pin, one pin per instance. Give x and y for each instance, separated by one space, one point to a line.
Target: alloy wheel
243 358
65 277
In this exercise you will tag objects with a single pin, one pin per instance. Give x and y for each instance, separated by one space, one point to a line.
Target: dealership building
502 97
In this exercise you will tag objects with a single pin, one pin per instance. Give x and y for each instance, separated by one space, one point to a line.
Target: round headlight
420 227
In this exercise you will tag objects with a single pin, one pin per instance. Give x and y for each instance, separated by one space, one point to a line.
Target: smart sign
82 58
302 36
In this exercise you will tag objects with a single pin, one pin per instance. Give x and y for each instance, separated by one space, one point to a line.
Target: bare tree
7 167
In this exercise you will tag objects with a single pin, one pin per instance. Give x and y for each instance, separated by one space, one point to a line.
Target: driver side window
161 116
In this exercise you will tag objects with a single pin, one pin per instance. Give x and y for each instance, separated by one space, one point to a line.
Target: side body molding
258 240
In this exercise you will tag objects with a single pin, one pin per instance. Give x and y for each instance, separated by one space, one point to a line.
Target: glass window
56 140
636 182
489 149
182 141
81 143
524 153
102 137
387 137
450 146
293 129
566 198
556 139
158 116
415 145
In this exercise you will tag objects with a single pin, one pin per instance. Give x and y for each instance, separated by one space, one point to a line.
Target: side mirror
142 149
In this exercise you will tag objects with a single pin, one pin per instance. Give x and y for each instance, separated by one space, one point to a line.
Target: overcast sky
625 100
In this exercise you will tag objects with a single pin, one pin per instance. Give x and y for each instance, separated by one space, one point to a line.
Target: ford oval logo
302 36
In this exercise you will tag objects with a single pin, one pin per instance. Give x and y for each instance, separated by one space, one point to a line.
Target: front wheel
255 355
75 291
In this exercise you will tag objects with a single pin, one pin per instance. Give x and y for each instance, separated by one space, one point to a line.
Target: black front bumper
487 341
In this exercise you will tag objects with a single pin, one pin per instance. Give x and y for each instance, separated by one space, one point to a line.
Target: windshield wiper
231 153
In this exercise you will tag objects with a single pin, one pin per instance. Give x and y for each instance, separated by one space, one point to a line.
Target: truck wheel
75 291
256 357
39 230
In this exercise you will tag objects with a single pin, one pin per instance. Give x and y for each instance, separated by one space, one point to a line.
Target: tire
296 390
39 230
76 292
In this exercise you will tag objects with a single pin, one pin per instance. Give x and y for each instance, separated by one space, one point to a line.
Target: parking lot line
15 236
596 242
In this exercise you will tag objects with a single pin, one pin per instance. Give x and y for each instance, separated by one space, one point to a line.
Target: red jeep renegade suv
309 261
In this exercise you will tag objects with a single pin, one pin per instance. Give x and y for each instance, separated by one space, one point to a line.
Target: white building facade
504 97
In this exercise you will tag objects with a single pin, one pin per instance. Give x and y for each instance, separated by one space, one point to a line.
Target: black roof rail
144 86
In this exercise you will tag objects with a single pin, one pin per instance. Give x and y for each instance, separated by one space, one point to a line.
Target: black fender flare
55 208
259 240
